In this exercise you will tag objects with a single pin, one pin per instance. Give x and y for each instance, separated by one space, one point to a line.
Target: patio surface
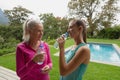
7 74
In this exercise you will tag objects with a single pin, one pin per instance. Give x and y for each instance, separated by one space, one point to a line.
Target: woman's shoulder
21 45
84 50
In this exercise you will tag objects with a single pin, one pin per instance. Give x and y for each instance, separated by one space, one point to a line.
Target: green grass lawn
95 71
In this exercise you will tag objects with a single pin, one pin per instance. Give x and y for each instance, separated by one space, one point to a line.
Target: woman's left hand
45 69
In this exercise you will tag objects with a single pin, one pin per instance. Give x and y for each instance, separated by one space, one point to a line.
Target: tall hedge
9 37
110 33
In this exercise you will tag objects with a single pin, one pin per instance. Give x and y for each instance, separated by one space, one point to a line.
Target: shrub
6 51
110 33
50 42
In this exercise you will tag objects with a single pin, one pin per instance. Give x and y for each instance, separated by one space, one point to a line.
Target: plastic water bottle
65 37
41 51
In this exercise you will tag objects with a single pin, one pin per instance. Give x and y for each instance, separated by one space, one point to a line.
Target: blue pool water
104 53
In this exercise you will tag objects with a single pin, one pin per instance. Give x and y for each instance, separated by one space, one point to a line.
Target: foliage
53 26
8 46
51 41
7 51
17 15
108 14
11 31
98 13
110 33
1 39
9 38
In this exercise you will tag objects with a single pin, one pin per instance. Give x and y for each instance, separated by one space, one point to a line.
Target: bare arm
82 55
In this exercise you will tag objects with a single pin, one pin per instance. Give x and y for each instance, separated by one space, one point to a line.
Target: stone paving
7 74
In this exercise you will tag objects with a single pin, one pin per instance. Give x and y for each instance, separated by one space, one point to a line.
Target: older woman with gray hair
29 64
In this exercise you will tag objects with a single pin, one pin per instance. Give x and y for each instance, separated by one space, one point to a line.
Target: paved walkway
6 74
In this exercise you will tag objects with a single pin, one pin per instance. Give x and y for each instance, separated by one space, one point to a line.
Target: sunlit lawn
95 71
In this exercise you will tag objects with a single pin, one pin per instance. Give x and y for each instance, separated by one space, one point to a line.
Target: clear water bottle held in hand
41 51
56 43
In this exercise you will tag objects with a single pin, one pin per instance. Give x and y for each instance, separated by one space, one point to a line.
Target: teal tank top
78 73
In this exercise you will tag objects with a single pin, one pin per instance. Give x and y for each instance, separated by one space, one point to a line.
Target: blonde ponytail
26 35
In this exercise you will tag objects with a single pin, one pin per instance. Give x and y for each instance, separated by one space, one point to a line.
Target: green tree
1 39
17 15
53 26
9 38
110 33
98 13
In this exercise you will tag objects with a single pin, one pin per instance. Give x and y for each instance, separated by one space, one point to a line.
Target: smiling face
36 32
73 29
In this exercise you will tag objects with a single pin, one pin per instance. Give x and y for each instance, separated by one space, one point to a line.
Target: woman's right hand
38 58
61 42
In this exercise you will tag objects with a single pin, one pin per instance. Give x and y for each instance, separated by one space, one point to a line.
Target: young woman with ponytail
73 64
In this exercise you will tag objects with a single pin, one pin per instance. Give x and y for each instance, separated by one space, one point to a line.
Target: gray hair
29 24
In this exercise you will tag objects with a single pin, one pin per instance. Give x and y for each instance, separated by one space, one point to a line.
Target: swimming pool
102 53
106 53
